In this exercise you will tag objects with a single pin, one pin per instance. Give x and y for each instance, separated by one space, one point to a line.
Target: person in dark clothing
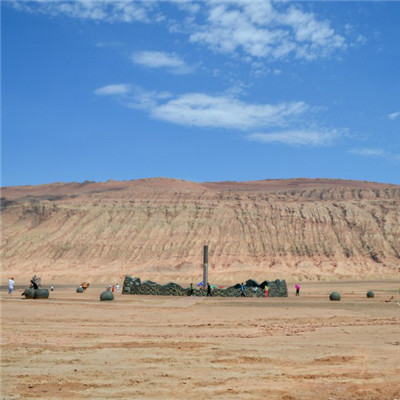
34 285
242 290
191 290
208 290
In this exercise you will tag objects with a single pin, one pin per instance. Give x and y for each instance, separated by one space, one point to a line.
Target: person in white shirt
117 287
10 286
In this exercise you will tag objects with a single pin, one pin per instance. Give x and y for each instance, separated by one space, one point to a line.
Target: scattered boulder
135 281
171 285
29 293
42 294
251 283
334 296
152 286
149 282
107 295
35 291
130 283
237 286
173 289
370 294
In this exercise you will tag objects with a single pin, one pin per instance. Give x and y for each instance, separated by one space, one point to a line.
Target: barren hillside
156 228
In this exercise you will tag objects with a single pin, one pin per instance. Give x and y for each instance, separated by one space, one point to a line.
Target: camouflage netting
131 285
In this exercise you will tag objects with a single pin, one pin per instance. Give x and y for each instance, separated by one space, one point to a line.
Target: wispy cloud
297 137
227 111
159 59
369 152
204 110
113 90
98 10
110 44
261 29
394 115
376 152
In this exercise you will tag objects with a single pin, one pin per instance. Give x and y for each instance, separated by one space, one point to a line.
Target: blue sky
206 91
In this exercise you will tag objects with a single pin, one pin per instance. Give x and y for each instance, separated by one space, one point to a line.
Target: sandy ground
72 346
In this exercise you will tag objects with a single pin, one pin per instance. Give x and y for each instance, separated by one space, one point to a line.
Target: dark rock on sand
107 295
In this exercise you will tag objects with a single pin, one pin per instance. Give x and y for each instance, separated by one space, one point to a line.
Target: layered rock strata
297 228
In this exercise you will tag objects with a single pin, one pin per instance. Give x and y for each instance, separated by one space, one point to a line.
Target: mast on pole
205 267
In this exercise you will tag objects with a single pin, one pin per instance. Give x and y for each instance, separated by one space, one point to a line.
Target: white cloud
297 137
202 110
226 111
109 44
394 115
99 10
113 90
146 100
261 29
189 6
369 152
361 39
377 152
160 59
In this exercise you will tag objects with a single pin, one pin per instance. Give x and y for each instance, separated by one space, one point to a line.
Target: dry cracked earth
72 346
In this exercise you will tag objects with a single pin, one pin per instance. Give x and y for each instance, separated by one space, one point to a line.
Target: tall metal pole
205 267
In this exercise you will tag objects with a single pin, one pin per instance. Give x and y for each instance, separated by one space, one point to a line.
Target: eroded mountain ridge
299 228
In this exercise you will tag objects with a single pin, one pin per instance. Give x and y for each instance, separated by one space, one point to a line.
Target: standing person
113 288
208 290
266 291
191 290
297 289
242 290
117 287
10 285
52 288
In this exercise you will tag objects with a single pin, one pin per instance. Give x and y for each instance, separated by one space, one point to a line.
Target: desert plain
72 346
328 235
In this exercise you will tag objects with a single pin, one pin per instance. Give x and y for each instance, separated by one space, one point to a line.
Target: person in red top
297 290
